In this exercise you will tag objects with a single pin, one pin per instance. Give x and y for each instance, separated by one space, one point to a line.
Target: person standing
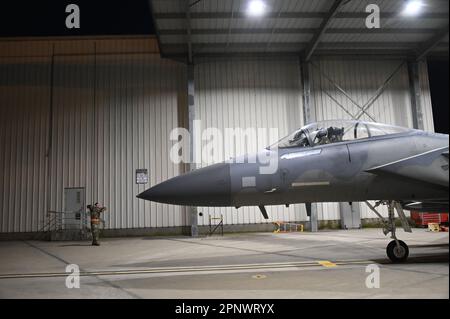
95 211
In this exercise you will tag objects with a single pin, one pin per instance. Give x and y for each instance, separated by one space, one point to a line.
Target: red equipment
422 219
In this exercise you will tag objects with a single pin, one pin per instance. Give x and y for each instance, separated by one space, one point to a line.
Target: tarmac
328 264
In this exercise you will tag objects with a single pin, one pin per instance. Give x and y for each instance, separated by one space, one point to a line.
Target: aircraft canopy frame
334 131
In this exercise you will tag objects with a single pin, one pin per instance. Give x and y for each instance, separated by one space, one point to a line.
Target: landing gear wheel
397 254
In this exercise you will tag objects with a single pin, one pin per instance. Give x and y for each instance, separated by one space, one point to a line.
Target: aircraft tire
396 254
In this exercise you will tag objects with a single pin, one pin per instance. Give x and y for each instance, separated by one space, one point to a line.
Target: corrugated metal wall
115 103
24 100
112 114
361 79
267 93
103 135
256 93
425 98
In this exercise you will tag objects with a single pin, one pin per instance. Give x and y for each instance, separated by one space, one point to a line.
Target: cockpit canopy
334 131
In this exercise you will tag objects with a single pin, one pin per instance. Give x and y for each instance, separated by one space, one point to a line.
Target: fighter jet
328 161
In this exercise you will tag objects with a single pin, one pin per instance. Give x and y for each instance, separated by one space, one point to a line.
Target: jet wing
430 167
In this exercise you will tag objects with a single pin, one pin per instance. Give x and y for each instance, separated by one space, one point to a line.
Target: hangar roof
198 28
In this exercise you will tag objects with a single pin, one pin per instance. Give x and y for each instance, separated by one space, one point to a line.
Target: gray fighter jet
328 161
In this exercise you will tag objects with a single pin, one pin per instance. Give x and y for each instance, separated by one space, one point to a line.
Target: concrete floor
259 265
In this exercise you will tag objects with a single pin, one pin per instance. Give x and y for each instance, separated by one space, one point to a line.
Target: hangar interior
87 112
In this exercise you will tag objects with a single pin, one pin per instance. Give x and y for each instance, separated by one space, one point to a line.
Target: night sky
112 17
98 17
438 75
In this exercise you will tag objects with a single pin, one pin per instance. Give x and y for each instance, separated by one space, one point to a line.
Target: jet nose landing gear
396 250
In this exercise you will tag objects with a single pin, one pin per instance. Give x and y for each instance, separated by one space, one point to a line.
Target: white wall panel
361 78
24 99
249 94
104 134
425 98
112 114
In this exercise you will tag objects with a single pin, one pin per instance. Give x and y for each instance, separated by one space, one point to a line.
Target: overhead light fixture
413 7
256 8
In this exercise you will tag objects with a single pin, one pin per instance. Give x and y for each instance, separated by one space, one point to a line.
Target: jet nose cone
208 186
159 192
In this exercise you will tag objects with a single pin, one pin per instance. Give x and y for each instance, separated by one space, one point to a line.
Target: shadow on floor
429 246
426 259
76 245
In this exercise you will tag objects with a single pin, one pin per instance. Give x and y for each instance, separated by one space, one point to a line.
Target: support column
414 89
191 117
308 117
306 84
313 218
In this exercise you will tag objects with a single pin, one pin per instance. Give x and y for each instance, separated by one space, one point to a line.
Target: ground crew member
95 222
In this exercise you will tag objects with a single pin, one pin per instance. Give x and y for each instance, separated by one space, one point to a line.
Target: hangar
87 119
88 112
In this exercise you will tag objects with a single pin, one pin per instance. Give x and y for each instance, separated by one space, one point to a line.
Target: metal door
74 208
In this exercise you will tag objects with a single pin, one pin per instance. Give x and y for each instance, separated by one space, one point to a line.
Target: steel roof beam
179 53
369 54
297 31
322 45
323 26
292 15
432 43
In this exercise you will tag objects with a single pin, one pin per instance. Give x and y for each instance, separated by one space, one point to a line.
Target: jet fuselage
343 171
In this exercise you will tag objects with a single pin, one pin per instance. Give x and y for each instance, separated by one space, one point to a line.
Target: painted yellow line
327 263
303 264
161 270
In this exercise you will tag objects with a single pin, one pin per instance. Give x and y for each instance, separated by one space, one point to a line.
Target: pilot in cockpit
300 139
321 136
329 135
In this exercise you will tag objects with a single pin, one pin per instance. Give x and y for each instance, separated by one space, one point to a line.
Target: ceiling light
256 8
413 7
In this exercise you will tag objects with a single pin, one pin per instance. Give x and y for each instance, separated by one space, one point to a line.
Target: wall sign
141 176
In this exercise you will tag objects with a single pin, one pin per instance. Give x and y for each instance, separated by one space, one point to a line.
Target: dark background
97 17
133 17
438 75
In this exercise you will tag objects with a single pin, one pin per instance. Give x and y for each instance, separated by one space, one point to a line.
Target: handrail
55 221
